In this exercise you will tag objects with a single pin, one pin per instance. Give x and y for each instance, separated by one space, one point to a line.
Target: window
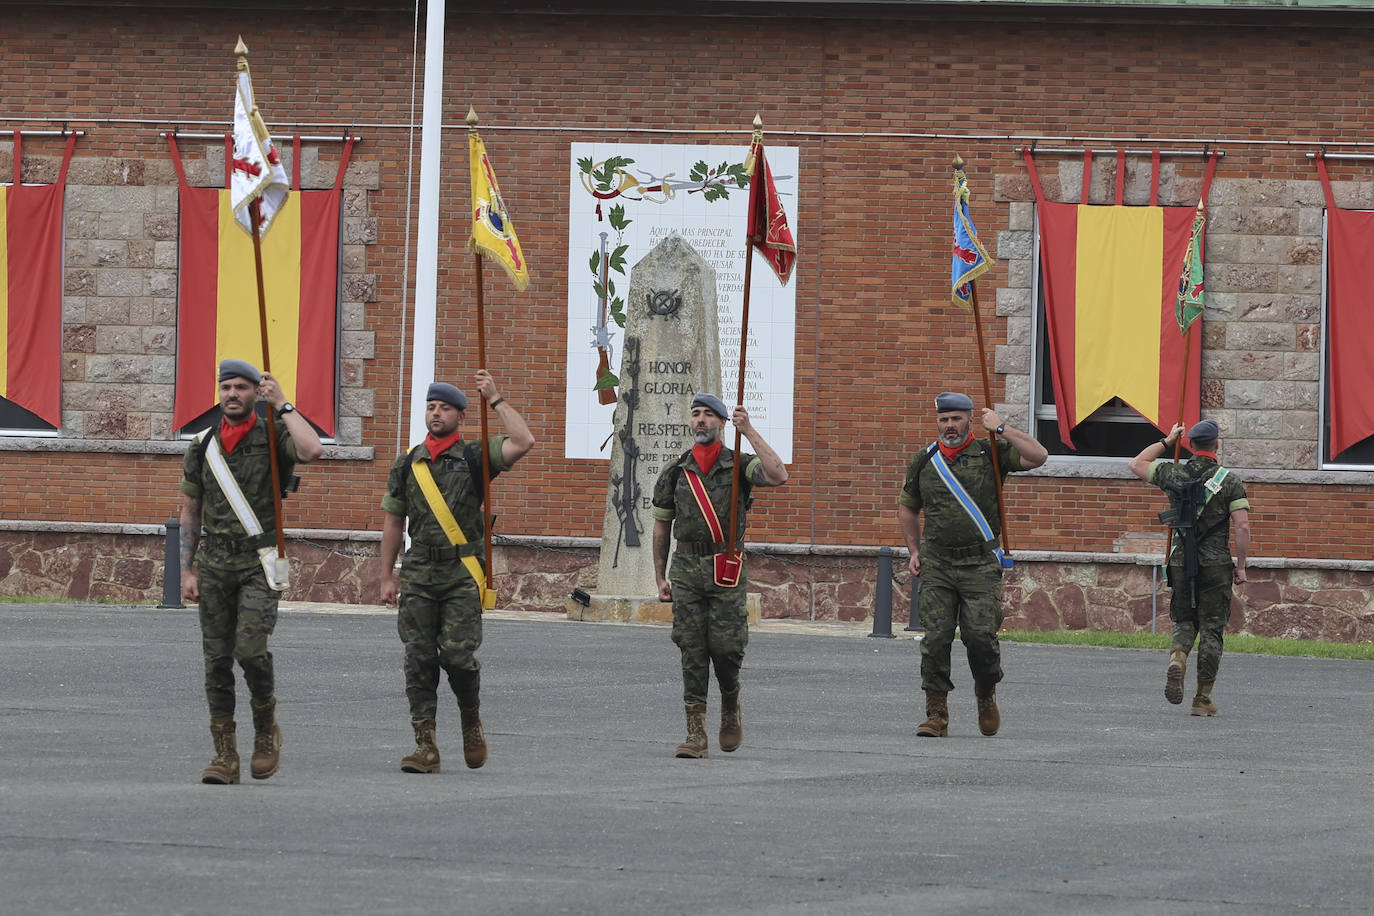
16 421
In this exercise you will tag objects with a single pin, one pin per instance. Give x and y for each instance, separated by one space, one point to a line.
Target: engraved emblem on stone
662 302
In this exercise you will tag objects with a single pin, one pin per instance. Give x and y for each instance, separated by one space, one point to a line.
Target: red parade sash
728 565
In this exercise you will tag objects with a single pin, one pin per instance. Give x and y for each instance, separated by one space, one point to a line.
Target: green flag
1190 293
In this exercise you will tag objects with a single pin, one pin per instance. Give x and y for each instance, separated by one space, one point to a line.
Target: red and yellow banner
493 232
1111 287
767 230
217 308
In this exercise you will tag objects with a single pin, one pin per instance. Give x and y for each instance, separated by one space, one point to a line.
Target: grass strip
1253 645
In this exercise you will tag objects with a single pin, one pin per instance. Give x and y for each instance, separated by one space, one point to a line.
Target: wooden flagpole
987 399
272 460
255 217
487 513
749 244
1178 443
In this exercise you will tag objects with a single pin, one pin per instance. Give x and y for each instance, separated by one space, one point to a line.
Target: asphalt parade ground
1096 797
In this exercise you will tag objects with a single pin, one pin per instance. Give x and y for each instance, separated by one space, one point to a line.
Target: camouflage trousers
439 620
1207 621
237 614
967 597
710 626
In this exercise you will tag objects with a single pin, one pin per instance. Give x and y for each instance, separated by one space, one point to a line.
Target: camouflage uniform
1207 621
238 611
961 580
439 608
710 622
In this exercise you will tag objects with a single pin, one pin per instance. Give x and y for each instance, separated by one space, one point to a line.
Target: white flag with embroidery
256 172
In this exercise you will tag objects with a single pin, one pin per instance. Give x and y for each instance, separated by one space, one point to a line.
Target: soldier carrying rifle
1205 499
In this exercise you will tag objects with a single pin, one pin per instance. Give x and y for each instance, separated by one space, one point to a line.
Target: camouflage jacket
946 523
227 543
673 500
1214 523
461 487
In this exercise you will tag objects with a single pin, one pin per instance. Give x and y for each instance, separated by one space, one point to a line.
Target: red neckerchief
706 455
231 434
948 452
438 446
1203 453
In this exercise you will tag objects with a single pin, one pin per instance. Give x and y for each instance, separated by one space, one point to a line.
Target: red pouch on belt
728 567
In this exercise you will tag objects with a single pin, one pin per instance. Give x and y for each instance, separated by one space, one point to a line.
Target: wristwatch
1001 429
286 408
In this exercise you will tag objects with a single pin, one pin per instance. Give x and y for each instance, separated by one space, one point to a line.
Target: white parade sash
276 568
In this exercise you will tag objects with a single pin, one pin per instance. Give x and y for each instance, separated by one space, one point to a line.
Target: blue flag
971 260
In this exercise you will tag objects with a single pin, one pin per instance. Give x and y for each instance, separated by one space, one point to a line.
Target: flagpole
254 217
987 399
749 243
1194 251
487 513
1178 443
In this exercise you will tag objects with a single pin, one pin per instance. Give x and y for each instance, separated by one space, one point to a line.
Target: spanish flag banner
217 302
493 233
1111 280
31 290
1350 320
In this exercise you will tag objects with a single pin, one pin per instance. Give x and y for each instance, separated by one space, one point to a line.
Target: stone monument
671 351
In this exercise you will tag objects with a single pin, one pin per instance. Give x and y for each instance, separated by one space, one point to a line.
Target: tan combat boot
731 721
989 718
1202 701
266 739
425 757
936 724
695 746
474 741
1173 677
224 769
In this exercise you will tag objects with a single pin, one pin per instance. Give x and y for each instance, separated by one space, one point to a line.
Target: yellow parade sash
451 530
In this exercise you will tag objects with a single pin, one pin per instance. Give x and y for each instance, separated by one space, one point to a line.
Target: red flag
768 230
1351 324
31 291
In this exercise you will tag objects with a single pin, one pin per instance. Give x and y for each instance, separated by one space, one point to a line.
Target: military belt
222 544
959 553
701 548
447 552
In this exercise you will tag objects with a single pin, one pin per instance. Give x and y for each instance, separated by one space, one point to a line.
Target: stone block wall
1113 594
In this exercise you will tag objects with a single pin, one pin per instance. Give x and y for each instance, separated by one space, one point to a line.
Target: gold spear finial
758 129
241 50
472 118
958 161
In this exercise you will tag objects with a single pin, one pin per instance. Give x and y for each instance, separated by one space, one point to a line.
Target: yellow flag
493 233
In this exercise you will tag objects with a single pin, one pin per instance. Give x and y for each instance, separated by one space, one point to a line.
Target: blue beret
1206 431
237 368
713 404
952 400
443 391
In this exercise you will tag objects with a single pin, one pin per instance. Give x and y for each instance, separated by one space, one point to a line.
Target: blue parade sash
970 507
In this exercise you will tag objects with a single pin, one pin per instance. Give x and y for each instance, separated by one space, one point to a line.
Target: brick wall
876 338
